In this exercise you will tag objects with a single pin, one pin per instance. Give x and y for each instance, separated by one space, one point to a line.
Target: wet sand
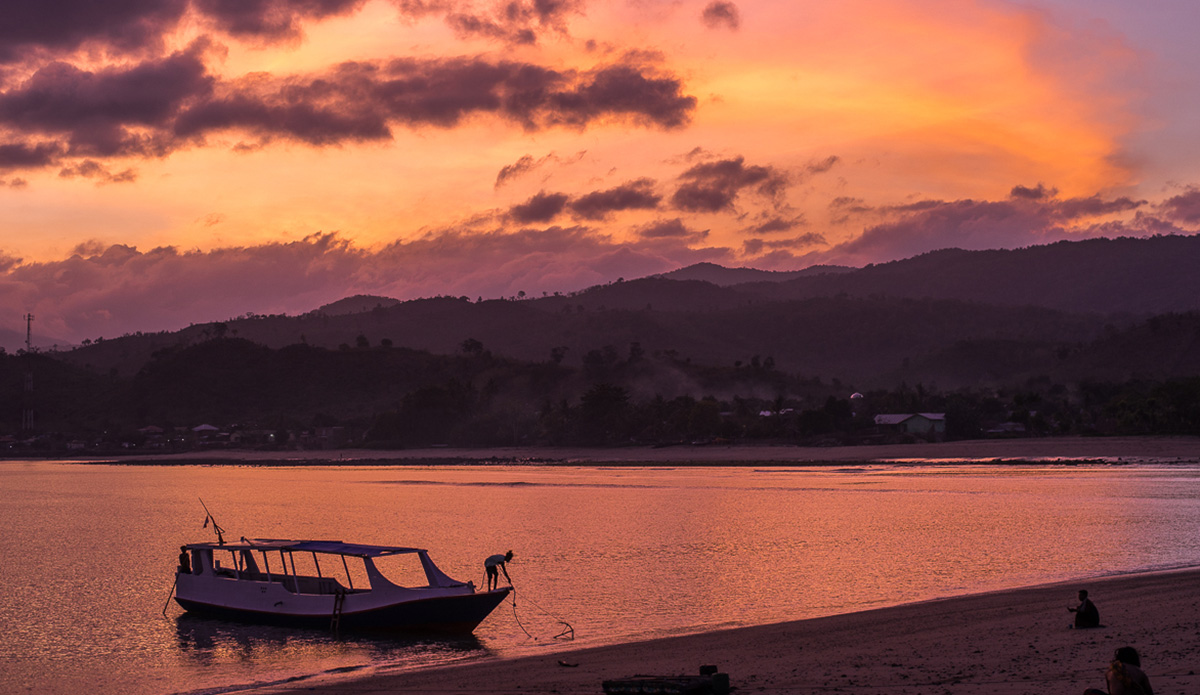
1041 450
1004 643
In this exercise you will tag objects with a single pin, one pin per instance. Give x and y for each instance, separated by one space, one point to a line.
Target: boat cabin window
308 572
348 572
402 570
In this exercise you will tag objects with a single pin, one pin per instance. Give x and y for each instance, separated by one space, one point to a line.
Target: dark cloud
158 106
1184 207
56 27
19 155
755 247
632 195
777 225
108 112
625 89
1093 206
41 29
518 168
91 169
527 163
14 183
720 14
468 25
714 186
1039 192
513 21
357 101
30 27
421 8
671 229
270 19
823 165
317 112
542 207
849 202
597 205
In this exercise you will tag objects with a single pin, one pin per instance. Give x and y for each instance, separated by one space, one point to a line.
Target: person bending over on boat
494 566
1086 614
185 560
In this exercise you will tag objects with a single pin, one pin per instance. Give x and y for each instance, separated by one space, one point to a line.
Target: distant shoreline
1041 451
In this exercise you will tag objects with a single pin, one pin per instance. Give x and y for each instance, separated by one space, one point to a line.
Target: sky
167 162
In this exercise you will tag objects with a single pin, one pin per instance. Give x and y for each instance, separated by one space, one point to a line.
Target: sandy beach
1004 643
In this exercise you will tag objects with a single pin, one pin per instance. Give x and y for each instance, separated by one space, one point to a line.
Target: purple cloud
91 169
270 19
155 107
514 21
1184 207
671 229
777 225
108 112
633 195
721 14
1039 192
19 155
542 207
40 26
714 186
518 168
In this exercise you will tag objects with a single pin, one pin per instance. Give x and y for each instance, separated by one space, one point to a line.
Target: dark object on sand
709 682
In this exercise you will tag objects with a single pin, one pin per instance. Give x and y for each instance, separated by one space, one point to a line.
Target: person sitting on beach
494 565
1125 675
1086 614
185 560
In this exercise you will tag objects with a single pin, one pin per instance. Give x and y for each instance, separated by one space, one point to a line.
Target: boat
338 586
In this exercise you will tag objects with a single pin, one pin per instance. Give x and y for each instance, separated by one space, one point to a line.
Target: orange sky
280 155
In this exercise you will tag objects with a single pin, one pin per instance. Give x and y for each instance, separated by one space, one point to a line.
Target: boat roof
310 546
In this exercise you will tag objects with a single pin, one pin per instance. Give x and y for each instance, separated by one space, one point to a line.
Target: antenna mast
27 411
220 531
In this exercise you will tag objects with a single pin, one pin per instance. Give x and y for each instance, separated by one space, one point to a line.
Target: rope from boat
517 618
568 631
170 594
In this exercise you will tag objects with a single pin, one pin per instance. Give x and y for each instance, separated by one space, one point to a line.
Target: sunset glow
168 162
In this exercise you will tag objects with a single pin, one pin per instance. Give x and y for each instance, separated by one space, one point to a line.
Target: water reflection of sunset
620 554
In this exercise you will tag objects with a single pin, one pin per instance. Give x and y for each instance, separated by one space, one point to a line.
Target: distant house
913 423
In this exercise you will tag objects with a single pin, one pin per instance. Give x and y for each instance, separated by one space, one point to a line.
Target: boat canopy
327 547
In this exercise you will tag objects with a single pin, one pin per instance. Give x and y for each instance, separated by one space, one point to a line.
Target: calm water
88 552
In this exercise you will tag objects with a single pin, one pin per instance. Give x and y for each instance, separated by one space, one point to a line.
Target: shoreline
1040 451
1007 642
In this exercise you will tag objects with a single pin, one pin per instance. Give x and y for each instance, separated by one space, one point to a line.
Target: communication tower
27 410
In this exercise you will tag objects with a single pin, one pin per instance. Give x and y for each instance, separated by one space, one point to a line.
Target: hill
725 277
1109 276
944 317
